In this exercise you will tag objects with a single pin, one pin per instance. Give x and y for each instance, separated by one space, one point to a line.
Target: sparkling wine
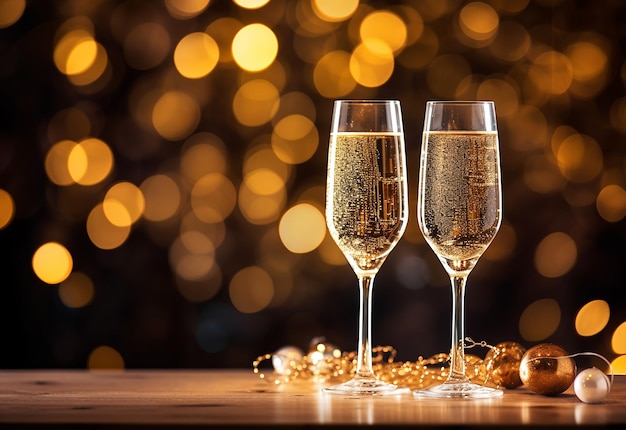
365 197
459 209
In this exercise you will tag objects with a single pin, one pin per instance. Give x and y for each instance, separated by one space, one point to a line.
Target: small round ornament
547 369
592 385
503 363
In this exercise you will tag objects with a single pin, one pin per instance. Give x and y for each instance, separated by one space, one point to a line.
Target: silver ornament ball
592 385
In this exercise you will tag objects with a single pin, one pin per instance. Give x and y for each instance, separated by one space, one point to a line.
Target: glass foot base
458 390
366 387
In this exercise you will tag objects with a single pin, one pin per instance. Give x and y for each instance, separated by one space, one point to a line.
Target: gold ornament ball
503 362
545 369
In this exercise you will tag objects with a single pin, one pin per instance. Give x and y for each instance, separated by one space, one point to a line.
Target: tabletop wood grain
240 398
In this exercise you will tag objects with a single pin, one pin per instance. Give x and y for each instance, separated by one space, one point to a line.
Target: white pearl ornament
592 385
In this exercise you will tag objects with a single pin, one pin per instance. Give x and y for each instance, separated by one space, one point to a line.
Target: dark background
137 309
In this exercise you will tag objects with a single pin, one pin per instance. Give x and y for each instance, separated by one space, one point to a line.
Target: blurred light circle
7 208
331 75
255 102
90 161
334 11
255 47
555 255
540 320
295 139
611 203
76 291
129 196
372 63
175 115
213 197
102 232
11 11
162 196
579 158
52 263
592 318
302 228
105 358
186 9
618 340
384 26
196 55
251 289
478 20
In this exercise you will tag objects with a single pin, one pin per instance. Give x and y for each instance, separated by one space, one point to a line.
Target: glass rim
367 101
459 102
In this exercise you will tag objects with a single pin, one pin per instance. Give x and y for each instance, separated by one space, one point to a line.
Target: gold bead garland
339 366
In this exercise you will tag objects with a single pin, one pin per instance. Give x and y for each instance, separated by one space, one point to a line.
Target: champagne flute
459 212
366 210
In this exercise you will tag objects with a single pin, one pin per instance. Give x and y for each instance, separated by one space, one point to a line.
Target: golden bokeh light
551 72
619 365
579 158
555 255
186 9
105 357
618 340
332 77
75 52
540 320
162 196
255 47
478 21
261 209
592 318
196 55
56 162
330 253
90 161
542 176
223 31
77 291
295 139
255 102
11 11
52 263
175 115
129 197
251 4
503 93
7 208
372 63
611 203
512 42
192 255
203 153
203 289
251 289
102 232
384 26
302 228
334 11
213 198
70 123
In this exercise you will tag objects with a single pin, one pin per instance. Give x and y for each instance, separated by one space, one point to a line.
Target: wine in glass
459 212
366 210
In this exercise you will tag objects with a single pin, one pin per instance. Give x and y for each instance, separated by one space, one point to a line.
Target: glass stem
364 361
457 353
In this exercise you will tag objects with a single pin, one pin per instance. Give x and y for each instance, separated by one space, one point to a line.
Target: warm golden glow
592 318
334 11
196 55
251 289
540 320
77 291
213 198
105 358
372 63
255 102
255 47
295 139
384 26
555 255
11 11
175 115
7 208
103 233
203 153
478 21
619 365
126 198
579 158
75 52
618 341
302 228
611 203
186 9
52 263
332 77
251 4
192 255
90 161
551 72
162 196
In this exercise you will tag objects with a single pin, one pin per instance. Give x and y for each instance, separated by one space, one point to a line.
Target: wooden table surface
103 399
